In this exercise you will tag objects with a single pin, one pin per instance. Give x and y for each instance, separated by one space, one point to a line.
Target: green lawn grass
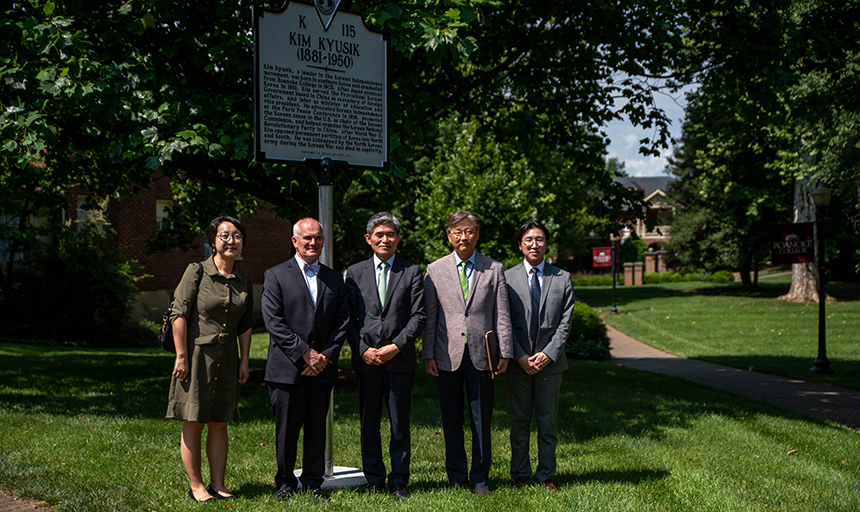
751 330
83 429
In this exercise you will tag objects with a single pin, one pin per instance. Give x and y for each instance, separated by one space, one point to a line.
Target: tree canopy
771 112
104 93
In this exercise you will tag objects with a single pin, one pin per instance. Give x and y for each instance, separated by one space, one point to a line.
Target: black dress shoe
370 488
401 493
217 495
284 492
520 481
319 493
192 498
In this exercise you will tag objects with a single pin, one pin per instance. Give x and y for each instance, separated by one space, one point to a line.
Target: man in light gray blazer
542 301
466 296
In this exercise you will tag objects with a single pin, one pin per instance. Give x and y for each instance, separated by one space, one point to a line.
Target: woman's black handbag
165 334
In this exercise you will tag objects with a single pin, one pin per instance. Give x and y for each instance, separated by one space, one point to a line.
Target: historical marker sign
321 87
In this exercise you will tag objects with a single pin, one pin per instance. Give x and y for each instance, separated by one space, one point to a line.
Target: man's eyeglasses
224 237
539 240
466 233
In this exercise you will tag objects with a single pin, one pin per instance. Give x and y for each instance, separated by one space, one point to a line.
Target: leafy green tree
615 168
759 122
103 94
728 191
506 178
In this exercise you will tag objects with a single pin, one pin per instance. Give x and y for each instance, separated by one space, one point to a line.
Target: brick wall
134 221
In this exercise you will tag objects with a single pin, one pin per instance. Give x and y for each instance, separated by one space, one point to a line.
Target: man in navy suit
386 303
306 313
542 302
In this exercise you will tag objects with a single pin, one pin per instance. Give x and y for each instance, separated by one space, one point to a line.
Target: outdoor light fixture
614 253
821 198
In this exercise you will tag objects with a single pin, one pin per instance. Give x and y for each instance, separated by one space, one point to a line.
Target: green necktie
464 281
464 284
382 286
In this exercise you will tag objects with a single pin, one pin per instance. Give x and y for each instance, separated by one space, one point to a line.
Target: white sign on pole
321 88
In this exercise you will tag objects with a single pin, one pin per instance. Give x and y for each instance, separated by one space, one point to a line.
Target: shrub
596 281
588 338
79 289
721 276
143 333
633 250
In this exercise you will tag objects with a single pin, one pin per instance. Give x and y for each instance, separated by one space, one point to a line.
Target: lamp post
821 198
613 238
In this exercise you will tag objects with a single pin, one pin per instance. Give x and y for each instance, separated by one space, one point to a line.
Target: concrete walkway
821 401
10 504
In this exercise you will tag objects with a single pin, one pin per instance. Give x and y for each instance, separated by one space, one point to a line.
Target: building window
9 223
161 207
83 214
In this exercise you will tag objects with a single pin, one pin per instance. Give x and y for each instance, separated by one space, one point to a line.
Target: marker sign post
321 88
321 99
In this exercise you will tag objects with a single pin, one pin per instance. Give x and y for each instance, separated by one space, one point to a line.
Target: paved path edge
821 401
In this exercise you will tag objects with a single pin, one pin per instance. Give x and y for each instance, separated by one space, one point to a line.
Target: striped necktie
464 281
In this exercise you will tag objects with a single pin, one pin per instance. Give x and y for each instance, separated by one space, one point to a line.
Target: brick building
655 191
135 219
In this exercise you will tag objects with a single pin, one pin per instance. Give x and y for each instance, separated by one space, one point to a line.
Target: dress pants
538 393
375 388
480 394
300 405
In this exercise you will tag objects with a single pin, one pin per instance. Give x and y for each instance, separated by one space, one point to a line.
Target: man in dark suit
306 313
465 296
542 302
386 304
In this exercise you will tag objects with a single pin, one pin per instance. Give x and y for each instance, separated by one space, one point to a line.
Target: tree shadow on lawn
601 297
600 399
597 398
847 372
130 383
628 296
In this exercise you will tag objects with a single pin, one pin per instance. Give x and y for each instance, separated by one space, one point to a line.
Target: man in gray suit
465 296
386 304
542 302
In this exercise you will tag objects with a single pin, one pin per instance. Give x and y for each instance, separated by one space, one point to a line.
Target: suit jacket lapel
298 276
520 284
477 272
394 276
321 287
549 272
453 274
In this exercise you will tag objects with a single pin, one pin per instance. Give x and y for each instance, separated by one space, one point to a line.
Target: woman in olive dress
212 322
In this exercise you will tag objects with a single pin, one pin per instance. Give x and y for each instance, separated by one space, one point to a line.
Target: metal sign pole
326 218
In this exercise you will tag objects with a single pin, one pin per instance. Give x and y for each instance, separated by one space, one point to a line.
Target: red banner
792 243
601 256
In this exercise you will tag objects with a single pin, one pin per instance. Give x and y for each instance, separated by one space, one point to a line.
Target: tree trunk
804 276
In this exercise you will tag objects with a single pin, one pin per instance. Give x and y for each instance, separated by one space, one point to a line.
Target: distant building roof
648 185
